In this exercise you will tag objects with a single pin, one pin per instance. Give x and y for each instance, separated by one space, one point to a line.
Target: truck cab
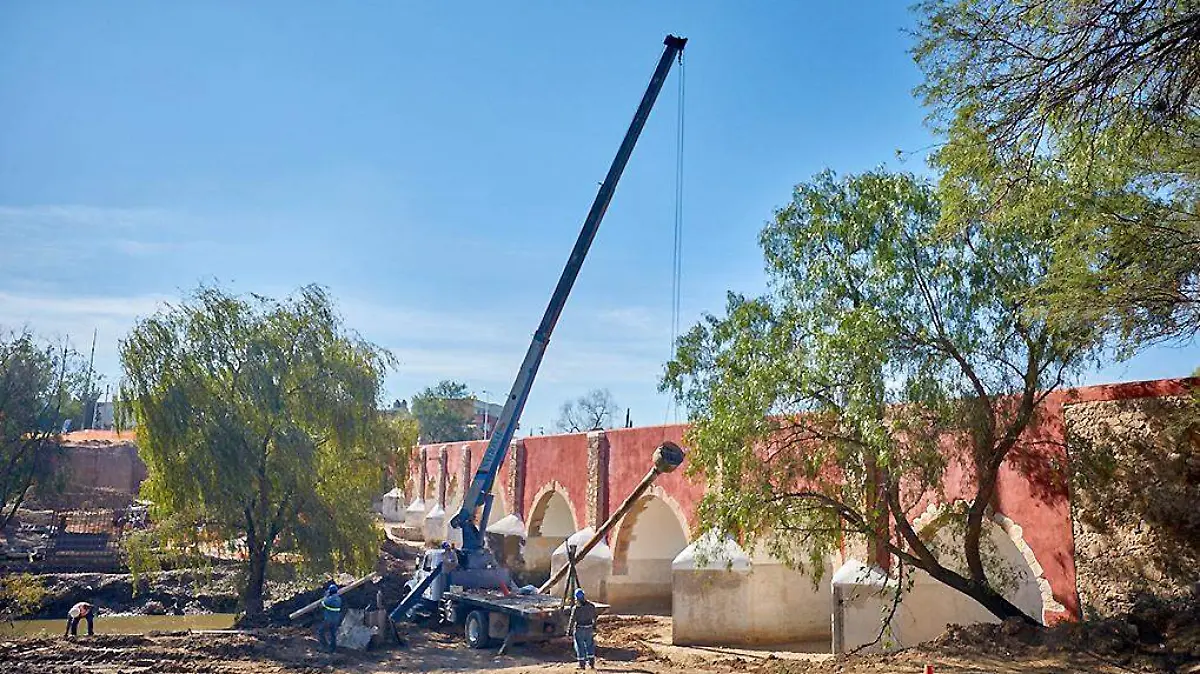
432 559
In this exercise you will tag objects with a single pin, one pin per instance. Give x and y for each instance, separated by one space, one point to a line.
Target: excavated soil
630 645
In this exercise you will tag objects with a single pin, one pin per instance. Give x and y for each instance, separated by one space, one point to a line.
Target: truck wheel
477 629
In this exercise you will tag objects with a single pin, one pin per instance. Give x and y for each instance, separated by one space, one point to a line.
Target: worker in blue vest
331 618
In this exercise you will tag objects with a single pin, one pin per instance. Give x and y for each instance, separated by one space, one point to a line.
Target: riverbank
206 590
627 644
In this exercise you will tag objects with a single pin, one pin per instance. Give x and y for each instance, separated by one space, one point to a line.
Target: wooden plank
313 606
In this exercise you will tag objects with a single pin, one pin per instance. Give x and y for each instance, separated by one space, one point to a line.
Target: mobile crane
468 586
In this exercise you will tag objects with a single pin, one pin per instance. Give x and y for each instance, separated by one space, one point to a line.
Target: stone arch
453 497
552 518
546 503
622 534
1031 590
500 508
645 542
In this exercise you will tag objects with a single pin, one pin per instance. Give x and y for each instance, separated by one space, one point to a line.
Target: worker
81 611
331 618
450 559
582 627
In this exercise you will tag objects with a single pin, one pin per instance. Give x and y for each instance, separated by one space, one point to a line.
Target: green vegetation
909 325
257 420
884 350
398 435
21 594
139 552
1082 116
40 387
444 412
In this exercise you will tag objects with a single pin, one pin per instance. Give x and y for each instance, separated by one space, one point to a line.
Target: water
124 624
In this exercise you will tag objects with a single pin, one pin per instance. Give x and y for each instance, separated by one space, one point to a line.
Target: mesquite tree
883 351
1089 113
257 419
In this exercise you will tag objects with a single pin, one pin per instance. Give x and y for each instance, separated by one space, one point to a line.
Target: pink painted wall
561 458
1032 489
630 457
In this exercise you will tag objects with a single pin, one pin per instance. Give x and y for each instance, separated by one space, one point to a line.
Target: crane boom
479 492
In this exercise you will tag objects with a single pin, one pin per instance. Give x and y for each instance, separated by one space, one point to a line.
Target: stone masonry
1136 470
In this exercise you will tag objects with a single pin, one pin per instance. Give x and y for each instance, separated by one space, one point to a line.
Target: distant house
105 417
484 418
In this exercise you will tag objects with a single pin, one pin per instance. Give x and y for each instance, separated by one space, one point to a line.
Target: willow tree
255 418
883 353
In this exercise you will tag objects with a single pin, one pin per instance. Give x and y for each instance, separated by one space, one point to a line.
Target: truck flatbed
526 605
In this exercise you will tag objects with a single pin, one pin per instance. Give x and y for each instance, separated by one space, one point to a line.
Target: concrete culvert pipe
668 457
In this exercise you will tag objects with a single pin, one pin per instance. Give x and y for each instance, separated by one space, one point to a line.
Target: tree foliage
589 412
884 352
400 433
40 388
257 420
444 412
1090 109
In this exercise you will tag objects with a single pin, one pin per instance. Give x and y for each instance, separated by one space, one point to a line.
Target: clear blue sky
431 164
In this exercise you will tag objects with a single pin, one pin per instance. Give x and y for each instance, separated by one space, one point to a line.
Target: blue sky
431 163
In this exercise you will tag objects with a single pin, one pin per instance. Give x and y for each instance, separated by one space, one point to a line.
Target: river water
121 624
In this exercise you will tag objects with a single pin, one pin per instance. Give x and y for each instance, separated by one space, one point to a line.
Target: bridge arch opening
647 540
499 507
551 521
1011 569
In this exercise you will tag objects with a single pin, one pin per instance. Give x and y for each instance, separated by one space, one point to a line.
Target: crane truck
467 586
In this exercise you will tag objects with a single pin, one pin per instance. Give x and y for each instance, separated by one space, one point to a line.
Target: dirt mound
395 567
1157 635
161 654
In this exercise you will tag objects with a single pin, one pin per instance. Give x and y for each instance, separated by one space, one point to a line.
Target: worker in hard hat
331 618
582 627
449 559
81 611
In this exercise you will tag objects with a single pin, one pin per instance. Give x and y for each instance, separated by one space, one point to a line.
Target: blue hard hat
579 593
331 590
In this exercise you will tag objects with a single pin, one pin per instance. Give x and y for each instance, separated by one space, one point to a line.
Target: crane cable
677 252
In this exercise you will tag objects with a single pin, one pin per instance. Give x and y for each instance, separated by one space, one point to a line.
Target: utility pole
89 405
486 404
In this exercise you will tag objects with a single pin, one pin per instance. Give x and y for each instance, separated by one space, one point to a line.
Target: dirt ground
628 645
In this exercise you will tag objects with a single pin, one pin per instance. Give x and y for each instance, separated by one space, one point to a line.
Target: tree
400 433
589 412
444 412
1095 104
39 390
257 420
884 352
